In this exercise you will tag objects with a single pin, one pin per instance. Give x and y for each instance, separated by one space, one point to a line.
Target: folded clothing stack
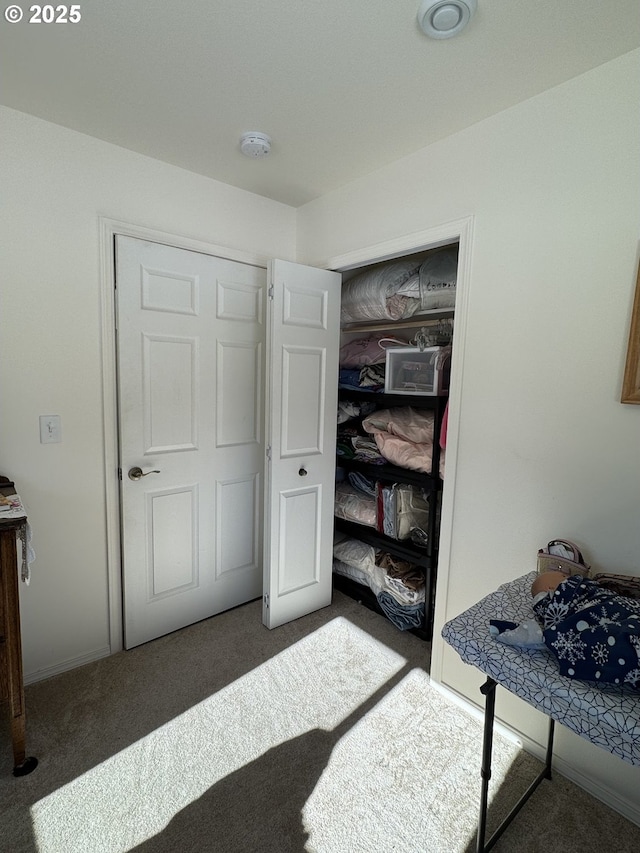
399 586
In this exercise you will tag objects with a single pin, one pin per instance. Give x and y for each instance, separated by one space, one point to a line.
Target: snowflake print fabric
607 715
594 633
568 646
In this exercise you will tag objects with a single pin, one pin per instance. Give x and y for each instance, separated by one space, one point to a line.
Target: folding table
606 715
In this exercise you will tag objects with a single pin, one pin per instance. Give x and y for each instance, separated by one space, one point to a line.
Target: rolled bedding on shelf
353 572
379 570
399 586
398 289
388 292
438 277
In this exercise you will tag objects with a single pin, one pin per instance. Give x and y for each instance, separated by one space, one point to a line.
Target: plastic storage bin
412 371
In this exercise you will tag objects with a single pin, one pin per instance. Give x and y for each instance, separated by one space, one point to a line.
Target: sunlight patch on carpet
315 684
390 783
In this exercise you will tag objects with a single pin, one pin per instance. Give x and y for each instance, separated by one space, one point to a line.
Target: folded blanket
373 293
379 571
366 450
403 616
404 421
352 572
405 454
404 436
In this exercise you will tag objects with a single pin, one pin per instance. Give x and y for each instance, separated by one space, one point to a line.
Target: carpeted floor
323 736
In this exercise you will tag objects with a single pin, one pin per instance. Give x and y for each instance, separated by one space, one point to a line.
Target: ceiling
342 88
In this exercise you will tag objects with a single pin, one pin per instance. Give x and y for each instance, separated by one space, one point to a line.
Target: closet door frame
461 232
108 230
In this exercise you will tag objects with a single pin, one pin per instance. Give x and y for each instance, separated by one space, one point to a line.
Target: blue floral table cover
606 715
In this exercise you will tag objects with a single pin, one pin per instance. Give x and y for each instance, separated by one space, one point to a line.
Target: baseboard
478 712
628 809
625 807
66 665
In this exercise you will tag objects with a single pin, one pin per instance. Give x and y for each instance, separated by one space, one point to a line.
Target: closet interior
395 360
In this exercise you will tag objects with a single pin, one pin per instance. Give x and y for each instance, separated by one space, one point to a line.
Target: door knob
302 472
136 473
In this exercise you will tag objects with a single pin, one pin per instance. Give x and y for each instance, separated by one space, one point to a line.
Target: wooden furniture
11 682
608 717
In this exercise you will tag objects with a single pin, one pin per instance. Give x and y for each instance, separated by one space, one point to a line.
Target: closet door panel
303 400
303 333
190 351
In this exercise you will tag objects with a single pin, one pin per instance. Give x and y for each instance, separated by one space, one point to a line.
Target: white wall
56 183
544 449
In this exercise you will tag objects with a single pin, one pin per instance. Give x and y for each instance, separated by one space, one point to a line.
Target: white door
191 379
303 333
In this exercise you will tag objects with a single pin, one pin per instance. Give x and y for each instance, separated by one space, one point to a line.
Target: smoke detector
442 19
254 144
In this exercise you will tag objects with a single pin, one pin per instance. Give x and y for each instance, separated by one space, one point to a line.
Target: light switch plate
50 429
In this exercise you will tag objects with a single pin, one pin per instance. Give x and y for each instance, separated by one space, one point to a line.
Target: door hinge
269 453
265 598
270 291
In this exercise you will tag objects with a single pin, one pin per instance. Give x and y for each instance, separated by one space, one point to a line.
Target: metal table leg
488 689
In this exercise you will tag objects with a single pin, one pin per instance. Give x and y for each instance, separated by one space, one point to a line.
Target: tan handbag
560 555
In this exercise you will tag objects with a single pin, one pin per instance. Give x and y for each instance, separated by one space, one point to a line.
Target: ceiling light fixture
254 144
442 19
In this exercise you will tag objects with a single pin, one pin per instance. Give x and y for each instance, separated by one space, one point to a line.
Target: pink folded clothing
404 421
405 454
